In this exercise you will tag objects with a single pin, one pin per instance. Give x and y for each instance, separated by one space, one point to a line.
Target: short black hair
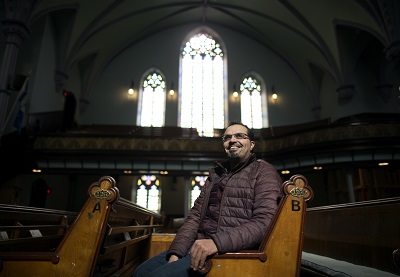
249 131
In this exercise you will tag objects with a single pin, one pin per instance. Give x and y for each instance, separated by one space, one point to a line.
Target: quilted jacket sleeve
187 234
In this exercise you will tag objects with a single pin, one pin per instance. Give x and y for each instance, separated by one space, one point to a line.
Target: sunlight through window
152 102
202 83
197 184
148 192
251 103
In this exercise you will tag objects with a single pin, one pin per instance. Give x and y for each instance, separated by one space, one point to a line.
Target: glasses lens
226 137
237 135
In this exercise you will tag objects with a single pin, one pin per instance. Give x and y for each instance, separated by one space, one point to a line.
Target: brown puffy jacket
248 203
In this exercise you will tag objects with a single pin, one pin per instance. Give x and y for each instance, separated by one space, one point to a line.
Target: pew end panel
279 253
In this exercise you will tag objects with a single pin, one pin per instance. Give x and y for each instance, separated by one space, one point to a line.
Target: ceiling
305 34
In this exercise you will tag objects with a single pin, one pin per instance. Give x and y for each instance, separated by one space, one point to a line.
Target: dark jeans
158 266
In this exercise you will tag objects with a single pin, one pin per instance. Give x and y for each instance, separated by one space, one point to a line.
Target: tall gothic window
151 111
252 102
148 192
202 99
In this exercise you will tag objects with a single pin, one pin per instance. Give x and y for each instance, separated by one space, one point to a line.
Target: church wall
110 92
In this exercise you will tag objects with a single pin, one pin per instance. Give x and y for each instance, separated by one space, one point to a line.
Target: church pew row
110 236
354 239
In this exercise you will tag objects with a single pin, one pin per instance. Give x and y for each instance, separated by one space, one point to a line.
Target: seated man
232 213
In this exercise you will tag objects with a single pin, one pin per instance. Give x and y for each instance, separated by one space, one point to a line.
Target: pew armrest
282 244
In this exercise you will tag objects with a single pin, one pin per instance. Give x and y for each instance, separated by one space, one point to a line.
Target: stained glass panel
251 102
152 104
148 192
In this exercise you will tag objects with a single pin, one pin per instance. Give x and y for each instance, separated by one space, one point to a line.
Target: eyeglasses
237 135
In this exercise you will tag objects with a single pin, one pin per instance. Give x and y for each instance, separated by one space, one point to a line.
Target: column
390 10
15 30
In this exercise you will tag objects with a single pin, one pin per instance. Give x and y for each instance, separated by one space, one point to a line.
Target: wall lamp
274 96
235 93
172 91
131 89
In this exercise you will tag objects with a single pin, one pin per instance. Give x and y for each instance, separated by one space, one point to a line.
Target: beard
233 155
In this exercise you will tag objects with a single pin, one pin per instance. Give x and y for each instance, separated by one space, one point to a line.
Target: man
232 213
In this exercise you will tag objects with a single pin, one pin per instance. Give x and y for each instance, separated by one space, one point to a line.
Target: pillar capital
14 32
390 10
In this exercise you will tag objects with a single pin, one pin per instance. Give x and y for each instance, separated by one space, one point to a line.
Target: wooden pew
109 237
353 237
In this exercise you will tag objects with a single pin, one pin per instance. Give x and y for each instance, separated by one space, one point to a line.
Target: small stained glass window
151 112
251 102
148 192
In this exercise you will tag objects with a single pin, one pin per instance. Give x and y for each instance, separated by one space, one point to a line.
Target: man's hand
173 258
200 250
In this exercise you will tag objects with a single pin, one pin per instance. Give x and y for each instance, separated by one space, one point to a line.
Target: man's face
237 147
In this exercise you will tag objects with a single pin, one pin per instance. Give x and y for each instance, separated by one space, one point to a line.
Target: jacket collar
224 166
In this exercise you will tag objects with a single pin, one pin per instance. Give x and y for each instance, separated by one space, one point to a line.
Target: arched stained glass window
151 110
148 192
251 102
202 102
197 184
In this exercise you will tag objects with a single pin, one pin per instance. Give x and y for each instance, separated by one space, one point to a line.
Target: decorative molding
211 145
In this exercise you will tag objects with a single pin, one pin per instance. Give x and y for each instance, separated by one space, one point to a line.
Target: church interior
75 74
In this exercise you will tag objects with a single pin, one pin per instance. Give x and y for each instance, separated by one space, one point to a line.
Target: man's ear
252 145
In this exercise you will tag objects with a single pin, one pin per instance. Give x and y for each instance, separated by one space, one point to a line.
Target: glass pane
256 110
154 194
141 196
194 195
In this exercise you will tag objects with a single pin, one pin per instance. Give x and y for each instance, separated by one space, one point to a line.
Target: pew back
363 233
32 229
